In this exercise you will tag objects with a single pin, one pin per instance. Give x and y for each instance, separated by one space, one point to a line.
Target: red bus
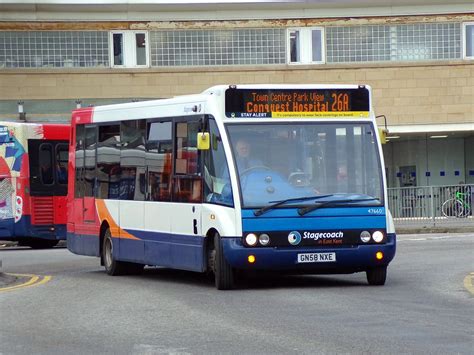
33 183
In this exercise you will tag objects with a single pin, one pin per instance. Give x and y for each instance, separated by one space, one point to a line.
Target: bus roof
210 100
222 88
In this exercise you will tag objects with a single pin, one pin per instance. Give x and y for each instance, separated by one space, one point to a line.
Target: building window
468 36
406 42
53 49
217 47
129 49
305 45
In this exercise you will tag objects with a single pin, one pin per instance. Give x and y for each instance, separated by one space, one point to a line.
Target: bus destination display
297 102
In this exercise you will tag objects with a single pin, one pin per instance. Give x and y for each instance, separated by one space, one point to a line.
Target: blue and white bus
287 178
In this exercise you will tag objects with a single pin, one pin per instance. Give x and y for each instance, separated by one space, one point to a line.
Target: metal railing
432 206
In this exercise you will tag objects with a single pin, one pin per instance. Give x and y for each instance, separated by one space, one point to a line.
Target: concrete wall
407 94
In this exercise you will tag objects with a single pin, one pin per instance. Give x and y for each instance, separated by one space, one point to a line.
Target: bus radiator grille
42 210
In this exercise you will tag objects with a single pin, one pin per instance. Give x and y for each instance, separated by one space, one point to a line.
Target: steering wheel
246 171
299 179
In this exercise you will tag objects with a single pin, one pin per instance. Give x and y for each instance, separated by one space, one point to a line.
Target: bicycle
457 206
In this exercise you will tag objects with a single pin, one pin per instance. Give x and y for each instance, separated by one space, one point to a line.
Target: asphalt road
426 307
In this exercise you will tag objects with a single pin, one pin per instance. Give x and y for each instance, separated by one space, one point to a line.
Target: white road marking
406 238
147 349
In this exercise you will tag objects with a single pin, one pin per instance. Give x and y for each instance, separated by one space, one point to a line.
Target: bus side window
187 154
132 159
187 186
46 164
108 162
79 183
159 160
61 163
90 145
187 189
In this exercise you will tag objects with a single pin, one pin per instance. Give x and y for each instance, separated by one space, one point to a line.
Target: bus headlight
251 239
377 236
365 236
264 239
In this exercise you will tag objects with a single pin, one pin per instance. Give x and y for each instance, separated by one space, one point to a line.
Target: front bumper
348 259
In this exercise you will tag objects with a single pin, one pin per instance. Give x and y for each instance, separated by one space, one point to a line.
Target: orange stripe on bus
115 230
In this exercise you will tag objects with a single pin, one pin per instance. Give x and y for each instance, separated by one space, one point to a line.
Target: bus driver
243 159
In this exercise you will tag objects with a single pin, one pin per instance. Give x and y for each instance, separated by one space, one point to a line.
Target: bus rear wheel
112 267
377 276
223 272
115 267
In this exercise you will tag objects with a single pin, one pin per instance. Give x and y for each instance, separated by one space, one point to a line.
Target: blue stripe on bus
185 252
7 226
83 244
9 230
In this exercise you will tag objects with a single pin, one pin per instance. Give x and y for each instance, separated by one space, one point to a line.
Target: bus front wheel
223 272
377 276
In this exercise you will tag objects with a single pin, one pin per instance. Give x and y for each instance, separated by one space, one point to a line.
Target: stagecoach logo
325 235
294 238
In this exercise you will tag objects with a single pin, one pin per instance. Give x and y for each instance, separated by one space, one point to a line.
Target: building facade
418 56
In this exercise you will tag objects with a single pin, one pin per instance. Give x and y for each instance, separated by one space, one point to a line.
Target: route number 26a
340 102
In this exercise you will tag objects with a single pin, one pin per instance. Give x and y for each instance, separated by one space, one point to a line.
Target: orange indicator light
251 259
379 255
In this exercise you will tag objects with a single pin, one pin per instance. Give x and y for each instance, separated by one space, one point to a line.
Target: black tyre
39 244
112 267
223 272
23 243
377 276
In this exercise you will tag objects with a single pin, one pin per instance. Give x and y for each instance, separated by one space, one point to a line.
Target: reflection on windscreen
277 162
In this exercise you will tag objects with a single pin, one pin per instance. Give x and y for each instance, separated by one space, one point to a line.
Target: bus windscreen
297 102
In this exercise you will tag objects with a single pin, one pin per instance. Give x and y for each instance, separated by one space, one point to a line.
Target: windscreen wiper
279 203
305 210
